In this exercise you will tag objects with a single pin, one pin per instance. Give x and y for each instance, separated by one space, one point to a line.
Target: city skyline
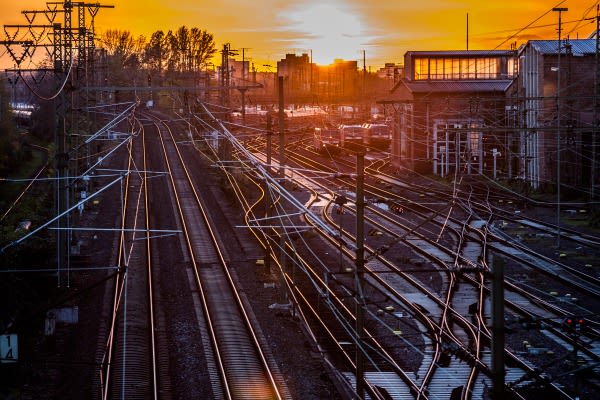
343 29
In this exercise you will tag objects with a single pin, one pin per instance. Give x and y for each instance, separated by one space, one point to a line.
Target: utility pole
596 109
359 274
63 143
224 78
269 140
560 11
364 75
341 200
312 93
243 88
283 293
268 202
244 63
498 371
281 132
226 73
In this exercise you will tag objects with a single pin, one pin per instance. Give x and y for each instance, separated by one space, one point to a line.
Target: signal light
568 325
574 324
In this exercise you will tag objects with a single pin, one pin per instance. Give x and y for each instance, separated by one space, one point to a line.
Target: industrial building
552 126
524 113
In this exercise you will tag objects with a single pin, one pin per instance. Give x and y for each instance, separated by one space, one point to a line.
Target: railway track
240 367
130 367
136 362
462 236
464 240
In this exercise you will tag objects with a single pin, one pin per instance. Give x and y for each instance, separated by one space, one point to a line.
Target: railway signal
574 324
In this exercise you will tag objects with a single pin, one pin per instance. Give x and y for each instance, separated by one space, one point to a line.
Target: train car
378 136
352 137
327 139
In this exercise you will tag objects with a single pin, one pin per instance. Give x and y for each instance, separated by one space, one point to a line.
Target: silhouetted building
297 75
338 83
391 72
240 72
305 82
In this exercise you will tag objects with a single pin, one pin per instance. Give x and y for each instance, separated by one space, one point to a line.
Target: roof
457 86
579 47
461 53
443 87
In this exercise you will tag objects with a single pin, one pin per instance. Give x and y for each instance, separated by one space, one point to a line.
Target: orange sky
384 29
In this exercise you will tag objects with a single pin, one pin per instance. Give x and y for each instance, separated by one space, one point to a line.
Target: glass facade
461 68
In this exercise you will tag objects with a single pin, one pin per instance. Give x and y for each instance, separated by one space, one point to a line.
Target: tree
173 57
202 48
181 48
190 49
167 55
119 43
10 151
123 49
156 51
124 55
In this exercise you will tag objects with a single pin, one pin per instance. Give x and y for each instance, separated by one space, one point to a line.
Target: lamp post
560 11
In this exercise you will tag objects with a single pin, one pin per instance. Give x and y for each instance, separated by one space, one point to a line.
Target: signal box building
449 111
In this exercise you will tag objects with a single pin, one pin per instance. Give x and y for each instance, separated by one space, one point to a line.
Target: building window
436 68
422 68
467 68
456 68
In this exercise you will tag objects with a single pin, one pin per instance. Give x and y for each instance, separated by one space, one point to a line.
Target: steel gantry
70 46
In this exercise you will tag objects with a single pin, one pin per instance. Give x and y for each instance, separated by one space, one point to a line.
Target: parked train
352 137
378 136
327 139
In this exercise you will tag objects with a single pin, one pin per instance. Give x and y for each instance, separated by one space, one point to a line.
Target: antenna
467 31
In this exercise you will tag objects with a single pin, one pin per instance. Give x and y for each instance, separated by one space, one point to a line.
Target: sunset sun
330 30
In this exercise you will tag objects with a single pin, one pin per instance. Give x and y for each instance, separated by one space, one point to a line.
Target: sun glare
330 30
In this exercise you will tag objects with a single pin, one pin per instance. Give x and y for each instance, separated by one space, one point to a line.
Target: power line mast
596 109
60 40
226 73
242 88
